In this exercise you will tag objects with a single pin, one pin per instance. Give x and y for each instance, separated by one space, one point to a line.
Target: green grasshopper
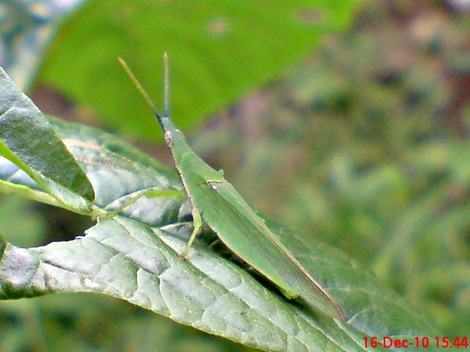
216 203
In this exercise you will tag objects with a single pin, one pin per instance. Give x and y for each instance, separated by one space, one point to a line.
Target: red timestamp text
416 342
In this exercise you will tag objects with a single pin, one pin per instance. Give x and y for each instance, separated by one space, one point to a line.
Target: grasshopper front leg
149 193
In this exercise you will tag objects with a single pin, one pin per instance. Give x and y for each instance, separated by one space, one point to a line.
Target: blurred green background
347 120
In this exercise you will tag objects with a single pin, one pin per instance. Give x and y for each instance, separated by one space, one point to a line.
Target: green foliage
360 147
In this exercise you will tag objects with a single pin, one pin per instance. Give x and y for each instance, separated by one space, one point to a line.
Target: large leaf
28 140
218 51
137 260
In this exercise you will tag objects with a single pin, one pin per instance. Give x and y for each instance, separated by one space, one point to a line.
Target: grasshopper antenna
142 91
166 105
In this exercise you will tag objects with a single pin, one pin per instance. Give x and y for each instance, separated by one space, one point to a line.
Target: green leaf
28 140
138 261
219 50
129 260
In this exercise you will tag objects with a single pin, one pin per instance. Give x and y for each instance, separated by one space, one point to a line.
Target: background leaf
218 51
27 28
